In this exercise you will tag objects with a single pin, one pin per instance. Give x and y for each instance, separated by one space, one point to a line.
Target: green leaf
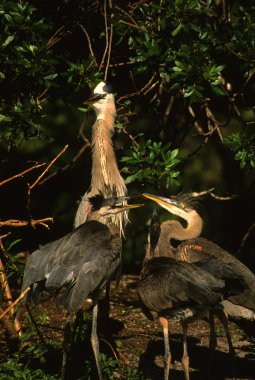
50 77
177 30
13 243
8 40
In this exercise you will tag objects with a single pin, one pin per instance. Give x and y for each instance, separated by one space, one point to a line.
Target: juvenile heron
175 289
80 263
105 175
195 249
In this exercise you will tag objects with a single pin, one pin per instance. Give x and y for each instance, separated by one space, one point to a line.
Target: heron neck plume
172 229
106 178
105 173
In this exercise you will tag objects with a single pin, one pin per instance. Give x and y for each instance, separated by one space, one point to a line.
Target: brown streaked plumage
105 175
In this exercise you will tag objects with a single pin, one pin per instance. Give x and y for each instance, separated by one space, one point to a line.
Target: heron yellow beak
167 203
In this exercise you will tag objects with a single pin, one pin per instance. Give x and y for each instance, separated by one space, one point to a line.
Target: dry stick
133 25
8 296
50 164
244 239
10 308
127 14
89 43
21 174
81 151
109 54
210 192
106 37
151 87
8 326
5 253
211 117
144 88
23 223
55 37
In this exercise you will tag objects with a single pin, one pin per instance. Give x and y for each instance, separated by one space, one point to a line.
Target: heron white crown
102 88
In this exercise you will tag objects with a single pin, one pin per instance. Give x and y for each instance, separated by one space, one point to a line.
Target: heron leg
66 347
185 356
167 359
94 340
212 339
104 310
224 320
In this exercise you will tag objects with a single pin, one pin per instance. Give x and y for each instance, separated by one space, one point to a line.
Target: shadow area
151 362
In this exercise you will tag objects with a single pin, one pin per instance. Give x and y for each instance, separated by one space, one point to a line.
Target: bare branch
211 193
8 297
133 25
139 92
89 43
55 38
106 37
8 326
50 164
14 303
246 236
23 223
109 53
21 174
76 157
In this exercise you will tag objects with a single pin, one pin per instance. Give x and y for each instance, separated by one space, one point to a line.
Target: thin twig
50 164
211 193
106 37
133 25
13 334
109 54
8 297
89 43
229 198
55 38
78 155
10 308
127 14
21 174
139 92
246 236
23 223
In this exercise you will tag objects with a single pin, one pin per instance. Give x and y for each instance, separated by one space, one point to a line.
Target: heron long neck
105 176
172 229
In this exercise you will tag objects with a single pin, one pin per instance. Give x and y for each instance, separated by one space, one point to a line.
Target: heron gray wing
175 283
210 249
92 277
59 256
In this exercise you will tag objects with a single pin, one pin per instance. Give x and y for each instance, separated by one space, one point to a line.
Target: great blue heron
194 249
81 263
105 175
179 290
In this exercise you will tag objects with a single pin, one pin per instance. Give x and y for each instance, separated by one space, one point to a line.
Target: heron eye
182 205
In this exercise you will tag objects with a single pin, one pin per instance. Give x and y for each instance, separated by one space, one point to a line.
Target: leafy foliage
13 371
151 162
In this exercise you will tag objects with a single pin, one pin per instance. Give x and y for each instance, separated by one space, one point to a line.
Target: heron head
182 205
106 207
102 98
